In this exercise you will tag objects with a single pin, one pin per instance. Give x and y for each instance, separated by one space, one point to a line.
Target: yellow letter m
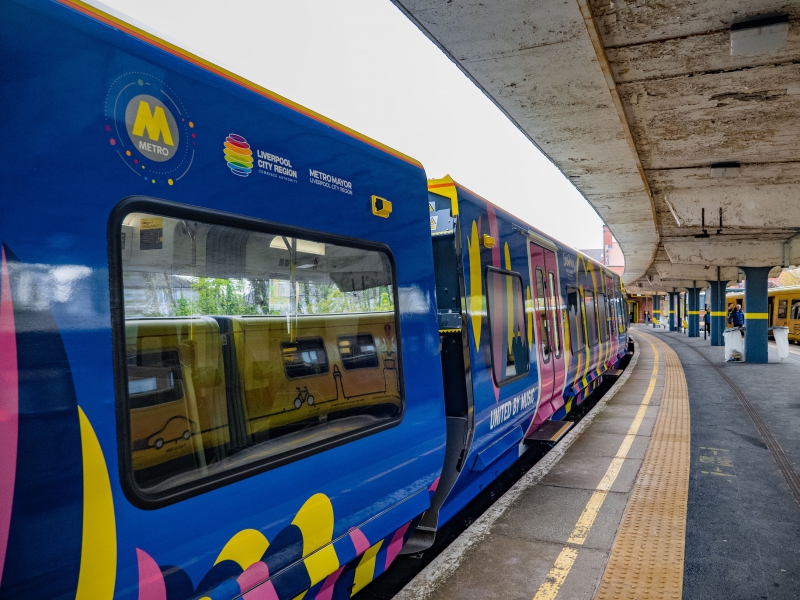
155 123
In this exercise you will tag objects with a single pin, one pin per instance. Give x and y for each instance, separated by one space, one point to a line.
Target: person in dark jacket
707 320
736 318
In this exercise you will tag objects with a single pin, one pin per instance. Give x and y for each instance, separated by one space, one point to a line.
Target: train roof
112 18
776 289
447 180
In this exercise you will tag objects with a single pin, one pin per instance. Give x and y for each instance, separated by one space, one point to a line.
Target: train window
625 315
783 306
304 358
618 303
795 309
358 352
245 348
507 327
601 317
541 310
575 317
154 378
612 315
591 317
556 313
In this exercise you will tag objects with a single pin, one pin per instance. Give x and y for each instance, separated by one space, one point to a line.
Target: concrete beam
724 253
691 54
662 286
690 121
696 272
627 22
763 196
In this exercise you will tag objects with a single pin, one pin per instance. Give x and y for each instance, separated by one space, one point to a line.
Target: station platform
681 482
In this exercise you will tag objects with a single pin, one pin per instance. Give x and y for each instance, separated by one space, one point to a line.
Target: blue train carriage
219 360
528 328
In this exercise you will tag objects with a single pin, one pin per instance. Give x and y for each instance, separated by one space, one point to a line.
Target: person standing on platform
707 320
646 316
730 310
736 318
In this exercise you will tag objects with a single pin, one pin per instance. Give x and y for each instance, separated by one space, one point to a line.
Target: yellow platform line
646 560
566 558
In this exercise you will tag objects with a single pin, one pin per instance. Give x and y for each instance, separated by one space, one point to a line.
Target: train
246 351
783 308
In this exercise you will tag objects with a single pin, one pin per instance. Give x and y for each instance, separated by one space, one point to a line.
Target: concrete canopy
647 109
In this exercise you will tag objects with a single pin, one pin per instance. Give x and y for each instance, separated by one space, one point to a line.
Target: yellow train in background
783 310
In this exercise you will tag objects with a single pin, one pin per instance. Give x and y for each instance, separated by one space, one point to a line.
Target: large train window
615 316
304 358
591 317
783 306
602 320
575 316
554 302
244 347
359 352
795 309
624 314
507 327
541 309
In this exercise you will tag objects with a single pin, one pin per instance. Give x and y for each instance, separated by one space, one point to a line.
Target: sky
364 64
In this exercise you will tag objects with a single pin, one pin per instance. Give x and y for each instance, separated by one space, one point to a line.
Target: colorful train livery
246 351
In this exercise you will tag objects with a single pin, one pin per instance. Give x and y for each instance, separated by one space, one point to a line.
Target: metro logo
152 128
154 122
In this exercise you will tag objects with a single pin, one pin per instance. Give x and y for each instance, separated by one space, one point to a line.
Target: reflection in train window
591 317
554 302
783 306
612 317
795 309
358 352
575 318
154 378
304 358
507 327
245 348
602 321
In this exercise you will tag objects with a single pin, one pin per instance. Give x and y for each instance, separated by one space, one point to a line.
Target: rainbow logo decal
238 155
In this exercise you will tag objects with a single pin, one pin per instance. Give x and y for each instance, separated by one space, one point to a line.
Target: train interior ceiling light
762 34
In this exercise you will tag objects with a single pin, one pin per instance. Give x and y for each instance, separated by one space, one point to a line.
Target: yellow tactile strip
646 560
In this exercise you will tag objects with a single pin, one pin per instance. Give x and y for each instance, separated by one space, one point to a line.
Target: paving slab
607 444
585 472
565 506
614 424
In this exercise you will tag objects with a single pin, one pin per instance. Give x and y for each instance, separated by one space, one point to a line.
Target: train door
542 265
771 310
